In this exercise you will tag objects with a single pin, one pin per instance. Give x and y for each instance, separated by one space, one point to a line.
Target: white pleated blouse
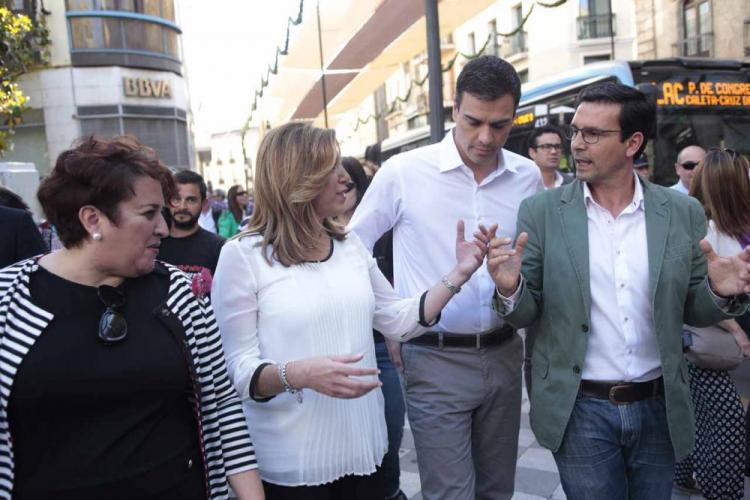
272 313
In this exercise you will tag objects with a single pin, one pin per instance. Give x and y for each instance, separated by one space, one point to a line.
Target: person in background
17 240
218 204
640 166
49 234
296 299
114 382
230 219
386 351
546 148
687 159
206 218
189 247
716 465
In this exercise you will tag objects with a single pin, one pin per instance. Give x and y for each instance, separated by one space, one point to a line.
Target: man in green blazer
609 392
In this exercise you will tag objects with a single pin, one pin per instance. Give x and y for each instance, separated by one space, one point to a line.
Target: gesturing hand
470 254
332 376
728 275
504 262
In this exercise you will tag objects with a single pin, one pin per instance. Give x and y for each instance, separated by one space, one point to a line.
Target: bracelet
287 386
450 286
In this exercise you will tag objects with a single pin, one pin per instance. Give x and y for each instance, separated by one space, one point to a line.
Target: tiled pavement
536 473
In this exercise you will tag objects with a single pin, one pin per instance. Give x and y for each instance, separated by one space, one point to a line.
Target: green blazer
555 302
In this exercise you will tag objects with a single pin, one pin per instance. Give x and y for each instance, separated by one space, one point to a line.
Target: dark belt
623 392
475 340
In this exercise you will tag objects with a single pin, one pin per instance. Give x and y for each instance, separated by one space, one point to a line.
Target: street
536 473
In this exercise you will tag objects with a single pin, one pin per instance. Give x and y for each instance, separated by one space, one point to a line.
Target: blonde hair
291 169
722 185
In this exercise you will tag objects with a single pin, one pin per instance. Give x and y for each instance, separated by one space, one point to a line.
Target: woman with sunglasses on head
715 467
229 220
297 299
114 384
387 352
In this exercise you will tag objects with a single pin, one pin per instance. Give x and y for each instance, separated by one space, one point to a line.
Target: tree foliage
22 46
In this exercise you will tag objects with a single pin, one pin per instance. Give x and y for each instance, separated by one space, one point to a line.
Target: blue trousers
394 418
617 452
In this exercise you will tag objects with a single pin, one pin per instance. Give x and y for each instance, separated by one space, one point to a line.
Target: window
697 28
161 129
492 30
595 19
107 39
596 58
518 40
156 8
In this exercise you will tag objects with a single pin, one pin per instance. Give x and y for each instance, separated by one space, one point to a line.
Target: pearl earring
97 236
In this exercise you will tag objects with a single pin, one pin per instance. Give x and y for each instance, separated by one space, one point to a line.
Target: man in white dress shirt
546 149
462 380
610 393
687 160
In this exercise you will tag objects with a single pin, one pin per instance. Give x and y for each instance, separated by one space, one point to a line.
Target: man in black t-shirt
188 246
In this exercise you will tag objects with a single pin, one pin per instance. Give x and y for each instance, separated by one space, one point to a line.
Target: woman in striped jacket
112 375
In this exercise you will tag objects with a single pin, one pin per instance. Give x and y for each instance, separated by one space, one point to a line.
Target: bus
697 101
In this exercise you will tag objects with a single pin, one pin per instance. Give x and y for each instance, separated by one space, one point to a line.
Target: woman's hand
332 376
470 254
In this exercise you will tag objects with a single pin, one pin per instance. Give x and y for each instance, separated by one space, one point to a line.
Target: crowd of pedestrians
189 345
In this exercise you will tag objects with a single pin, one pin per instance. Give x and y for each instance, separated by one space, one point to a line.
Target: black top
196 255
383 253
90 420
19 236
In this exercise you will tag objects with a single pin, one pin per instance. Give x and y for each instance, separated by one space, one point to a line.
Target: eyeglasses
689 165
112 325
350 186
241 193
549 147
589 135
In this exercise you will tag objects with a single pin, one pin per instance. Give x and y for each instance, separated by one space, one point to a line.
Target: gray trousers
464 408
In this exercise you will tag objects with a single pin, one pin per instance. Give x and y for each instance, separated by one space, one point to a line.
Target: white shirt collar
632 206
450 158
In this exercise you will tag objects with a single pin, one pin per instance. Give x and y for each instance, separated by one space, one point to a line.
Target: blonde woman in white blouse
296 300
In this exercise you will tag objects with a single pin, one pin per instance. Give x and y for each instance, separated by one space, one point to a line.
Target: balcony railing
701 46
514 44
599 26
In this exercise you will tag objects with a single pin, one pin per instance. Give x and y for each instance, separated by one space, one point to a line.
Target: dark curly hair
99 172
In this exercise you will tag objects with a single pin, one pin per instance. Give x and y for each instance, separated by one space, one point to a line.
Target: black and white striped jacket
226 444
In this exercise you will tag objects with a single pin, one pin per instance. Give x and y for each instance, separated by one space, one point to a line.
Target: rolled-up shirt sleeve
235 303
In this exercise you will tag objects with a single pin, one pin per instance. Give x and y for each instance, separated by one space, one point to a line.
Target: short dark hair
488 78
10 199
637 114
99 172
190 177
359 177
539 131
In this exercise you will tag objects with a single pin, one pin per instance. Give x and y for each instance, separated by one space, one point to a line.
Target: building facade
115 68
541 42
223 163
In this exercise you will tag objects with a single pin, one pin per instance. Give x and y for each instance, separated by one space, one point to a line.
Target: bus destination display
693 93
